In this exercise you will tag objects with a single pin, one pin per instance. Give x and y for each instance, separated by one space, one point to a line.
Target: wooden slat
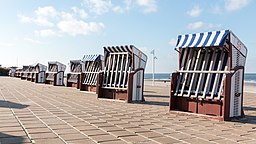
199 66
186 74
194 58
208 75
217 75
90 74
186 54
193 75
90 66
126 69
116 71
213 69
121 70
112 70
108 69
201 75
222 84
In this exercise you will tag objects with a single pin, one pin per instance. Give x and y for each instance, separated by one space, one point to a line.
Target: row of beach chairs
208 82
118 75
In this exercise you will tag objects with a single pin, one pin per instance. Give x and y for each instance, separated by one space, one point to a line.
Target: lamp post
153 66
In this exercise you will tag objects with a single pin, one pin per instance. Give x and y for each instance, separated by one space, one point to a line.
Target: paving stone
103 124
73 136
166 140
150 134
236 138
114 142
224 141
135 139
34 126
137 130
86 128
104 138
94 132
48 141
62 126
164 131
208 137
122 133
42 136
127 125
66 131
197 141
117 122
38 130
151 127
81 141
110 129
180 136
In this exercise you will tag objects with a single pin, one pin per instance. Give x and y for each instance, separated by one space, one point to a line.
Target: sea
248 77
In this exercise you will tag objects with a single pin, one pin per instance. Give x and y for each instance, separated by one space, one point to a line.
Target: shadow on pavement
8 104
156 96
6 139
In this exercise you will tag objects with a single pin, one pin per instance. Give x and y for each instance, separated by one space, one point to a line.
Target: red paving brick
41 113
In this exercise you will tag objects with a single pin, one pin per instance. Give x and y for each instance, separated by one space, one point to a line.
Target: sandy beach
39 113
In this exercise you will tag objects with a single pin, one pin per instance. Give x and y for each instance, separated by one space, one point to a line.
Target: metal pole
153 82
153 67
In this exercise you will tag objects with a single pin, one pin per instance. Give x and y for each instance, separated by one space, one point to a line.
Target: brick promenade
38 113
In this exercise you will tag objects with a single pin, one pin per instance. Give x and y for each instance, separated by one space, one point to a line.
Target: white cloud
149 5
46 33
42 16
233 5
118 9
25 19
82 14
61 22
128 4
75 27
172 42
47 11
43 21
194 12
98 6
202 25
32 41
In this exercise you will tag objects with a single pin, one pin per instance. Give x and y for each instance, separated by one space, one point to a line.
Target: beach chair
123 74
91 66
24 72
38 75
55 74
12 71
73 78
30 72
18 72
210 75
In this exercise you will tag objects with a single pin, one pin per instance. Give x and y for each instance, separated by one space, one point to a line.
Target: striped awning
117 49
91 57
206 39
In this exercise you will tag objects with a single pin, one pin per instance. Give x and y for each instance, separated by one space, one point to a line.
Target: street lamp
153 67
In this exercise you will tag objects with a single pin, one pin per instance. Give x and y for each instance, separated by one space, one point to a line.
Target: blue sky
35 31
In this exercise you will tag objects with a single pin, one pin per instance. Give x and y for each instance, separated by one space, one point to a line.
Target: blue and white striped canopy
91 57
207 39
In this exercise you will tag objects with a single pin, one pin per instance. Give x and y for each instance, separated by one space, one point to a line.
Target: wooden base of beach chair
114 95
89 88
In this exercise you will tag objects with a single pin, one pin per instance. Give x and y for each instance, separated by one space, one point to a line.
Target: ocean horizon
248 77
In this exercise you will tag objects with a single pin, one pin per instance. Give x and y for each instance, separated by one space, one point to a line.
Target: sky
38 31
